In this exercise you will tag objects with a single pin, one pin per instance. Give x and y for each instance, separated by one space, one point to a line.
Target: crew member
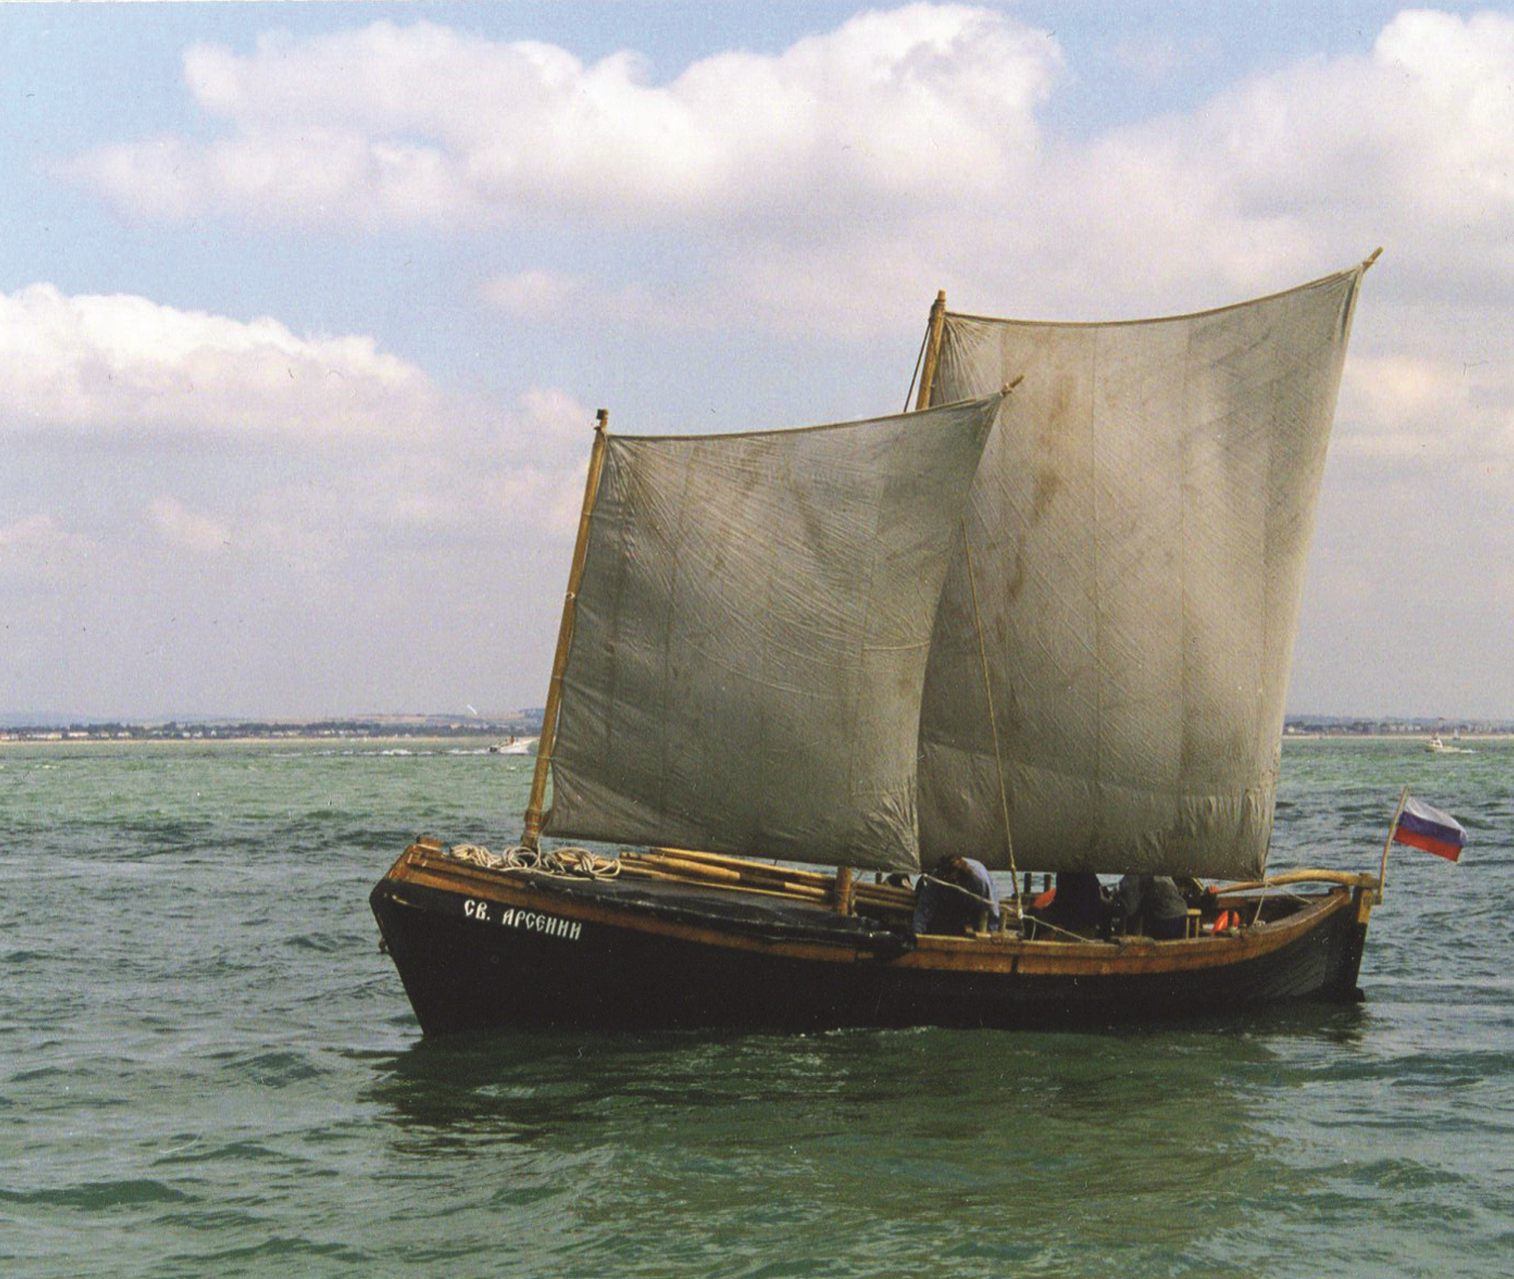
958 896
1078 901
1155 902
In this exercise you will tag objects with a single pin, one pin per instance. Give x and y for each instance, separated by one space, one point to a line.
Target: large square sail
750 637
1138 527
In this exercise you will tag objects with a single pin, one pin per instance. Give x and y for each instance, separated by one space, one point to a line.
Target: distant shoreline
484 741
1420 736
479 741
502 727
489 730
483 735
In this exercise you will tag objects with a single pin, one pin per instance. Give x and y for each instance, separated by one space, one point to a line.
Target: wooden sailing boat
1050 631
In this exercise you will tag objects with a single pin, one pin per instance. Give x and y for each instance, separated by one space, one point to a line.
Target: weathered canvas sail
751 634
1139 527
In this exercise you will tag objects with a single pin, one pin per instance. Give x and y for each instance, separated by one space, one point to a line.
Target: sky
306 308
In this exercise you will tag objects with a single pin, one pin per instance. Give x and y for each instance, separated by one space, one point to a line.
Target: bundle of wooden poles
718 871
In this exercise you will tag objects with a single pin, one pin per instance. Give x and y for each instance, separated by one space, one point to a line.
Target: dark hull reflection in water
1108 1147
528 1085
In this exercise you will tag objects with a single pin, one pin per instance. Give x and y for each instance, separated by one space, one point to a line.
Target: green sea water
208 1069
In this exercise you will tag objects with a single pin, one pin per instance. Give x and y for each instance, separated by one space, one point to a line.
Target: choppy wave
98 1195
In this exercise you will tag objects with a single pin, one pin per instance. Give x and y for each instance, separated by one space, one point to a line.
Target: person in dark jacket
1153 905
1078 903
957 897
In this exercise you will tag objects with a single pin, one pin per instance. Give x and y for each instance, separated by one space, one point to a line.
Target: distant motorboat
515 746
1437 745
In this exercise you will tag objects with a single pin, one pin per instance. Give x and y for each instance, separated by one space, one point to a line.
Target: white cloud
833 186
549 297
1409 411
424 125
38 548
123 365
536 294
913 130
412 473
41 535
1284 174
187 530
519 484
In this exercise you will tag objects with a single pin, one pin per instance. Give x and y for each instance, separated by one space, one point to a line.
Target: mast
927 384
842 887
932 350
532 832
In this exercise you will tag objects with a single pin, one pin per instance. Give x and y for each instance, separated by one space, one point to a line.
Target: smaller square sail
751 633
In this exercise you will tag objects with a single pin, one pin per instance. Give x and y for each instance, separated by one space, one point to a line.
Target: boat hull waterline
480 948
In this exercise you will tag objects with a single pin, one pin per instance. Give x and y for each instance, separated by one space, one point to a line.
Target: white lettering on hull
527 920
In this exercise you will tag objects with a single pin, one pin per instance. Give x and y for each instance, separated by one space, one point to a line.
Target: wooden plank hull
478 948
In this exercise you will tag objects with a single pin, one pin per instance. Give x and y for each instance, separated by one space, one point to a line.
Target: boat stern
1350 944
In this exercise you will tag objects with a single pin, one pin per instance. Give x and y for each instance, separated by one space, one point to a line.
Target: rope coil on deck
578 862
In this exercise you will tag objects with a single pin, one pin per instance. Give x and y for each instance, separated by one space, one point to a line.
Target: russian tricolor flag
1422 826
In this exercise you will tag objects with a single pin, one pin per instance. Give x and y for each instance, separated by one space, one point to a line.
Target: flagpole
1382 871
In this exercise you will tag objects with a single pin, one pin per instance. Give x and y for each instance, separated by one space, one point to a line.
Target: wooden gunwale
510 890
1125 956
427 867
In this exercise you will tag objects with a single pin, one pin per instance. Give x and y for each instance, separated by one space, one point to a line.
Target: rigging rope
919 360
993 723
984 902
569 860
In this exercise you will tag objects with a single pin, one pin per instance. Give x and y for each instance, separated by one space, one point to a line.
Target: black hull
477 949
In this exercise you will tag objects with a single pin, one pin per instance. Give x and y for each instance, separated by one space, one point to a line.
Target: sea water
208 1068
